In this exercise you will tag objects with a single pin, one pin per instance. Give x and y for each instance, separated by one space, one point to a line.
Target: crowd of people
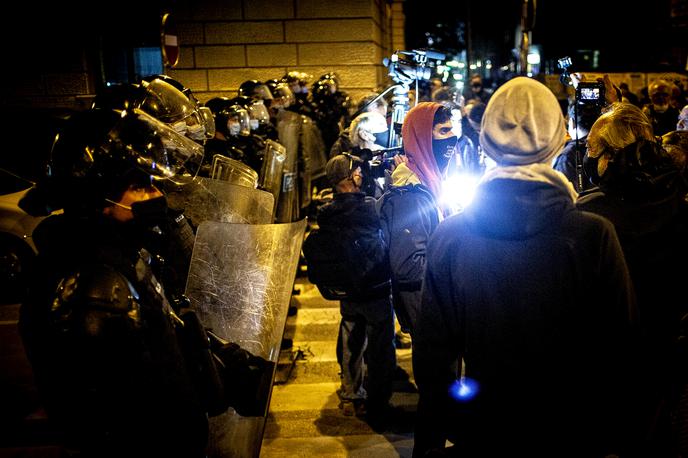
546 316
548 312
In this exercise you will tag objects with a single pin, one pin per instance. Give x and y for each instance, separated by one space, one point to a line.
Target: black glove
247 378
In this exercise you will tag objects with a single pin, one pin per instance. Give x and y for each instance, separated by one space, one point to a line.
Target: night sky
629 37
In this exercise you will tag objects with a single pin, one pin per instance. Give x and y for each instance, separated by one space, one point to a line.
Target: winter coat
537 299
408 215
645 202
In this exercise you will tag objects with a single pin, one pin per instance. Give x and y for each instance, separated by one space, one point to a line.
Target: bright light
472 67
456 76
463 389
533 59
462 65
458 191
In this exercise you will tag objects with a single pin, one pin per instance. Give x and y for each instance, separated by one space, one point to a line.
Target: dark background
628 36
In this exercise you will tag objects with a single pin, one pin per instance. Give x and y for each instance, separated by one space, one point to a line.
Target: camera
382 161
407 66
590 93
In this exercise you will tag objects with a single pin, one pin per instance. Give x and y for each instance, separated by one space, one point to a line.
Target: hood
522 124
517 209
403 175
416 133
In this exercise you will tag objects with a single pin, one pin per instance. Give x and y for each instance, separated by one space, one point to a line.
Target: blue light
464 389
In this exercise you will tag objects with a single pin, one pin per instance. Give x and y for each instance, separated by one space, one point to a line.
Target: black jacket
98 332
536 298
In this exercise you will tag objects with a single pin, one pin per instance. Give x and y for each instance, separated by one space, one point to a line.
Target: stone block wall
224 43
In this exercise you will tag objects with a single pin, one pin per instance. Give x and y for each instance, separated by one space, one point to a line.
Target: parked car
22 163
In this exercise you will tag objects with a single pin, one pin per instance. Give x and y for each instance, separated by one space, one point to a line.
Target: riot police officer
108 345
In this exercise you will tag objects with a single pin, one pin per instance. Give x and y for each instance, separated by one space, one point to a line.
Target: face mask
382 138
180 127
443 150
195 132
661 108
254 124
234 128
150 212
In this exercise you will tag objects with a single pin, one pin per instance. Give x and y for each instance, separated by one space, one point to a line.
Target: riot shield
233 171
240 284
206 199
289 131
271 172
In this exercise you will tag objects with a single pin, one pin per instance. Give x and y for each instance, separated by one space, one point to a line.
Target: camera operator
364 133
572 158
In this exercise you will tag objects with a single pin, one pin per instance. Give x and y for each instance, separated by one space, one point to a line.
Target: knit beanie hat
523 124
340 167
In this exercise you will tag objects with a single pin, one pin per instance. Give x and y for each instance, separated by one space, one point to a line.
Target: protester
642 192
570 161
367 324
409 210
534 297
660 111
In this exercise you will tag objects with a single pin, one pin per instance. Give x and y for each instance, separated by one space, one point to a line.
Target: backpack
346 265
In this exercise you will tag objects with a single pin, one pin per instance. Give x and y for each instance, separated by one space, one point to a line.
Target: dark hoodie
534 295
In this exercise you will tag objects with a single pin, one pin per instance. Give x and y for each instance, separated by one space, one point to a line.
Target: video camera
590 93
379 161
407 66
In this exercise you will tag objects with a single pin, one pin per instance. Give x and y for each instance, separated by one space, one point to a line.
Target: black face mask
151 212
382 138
443 150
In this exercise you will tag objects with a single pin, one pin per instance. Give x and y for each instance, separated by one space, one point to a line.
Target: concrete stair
304 418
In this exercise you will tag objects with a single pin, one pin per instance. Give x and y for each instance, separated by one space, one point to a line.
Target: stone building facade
221 44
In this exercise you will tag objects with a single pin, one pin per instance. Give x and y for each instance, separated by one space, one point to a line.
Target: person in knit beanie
518 287
522 124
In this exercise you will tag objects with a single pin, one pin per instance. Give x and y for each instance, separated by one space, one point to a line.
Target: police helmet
100 153
257 111
230 118
255 89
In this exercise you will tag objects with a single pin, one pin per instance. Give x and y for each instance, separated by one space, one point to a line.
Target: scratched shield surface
206 199
240 283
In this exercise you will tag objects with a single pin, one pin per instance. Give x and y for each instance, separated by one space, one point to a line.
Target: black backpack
346 265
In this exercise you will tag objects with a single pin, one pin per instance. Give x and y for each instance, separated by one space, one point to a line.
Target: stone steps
304 418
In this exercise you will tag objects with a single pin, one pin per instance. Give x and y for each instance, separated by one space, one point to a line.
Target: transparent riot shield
270 178
289 131
233 171
206 199
240 284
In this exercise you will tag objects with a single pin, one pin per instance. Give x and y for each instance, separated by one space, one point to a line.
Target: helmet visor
155 147
258 111
208 121
165 102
